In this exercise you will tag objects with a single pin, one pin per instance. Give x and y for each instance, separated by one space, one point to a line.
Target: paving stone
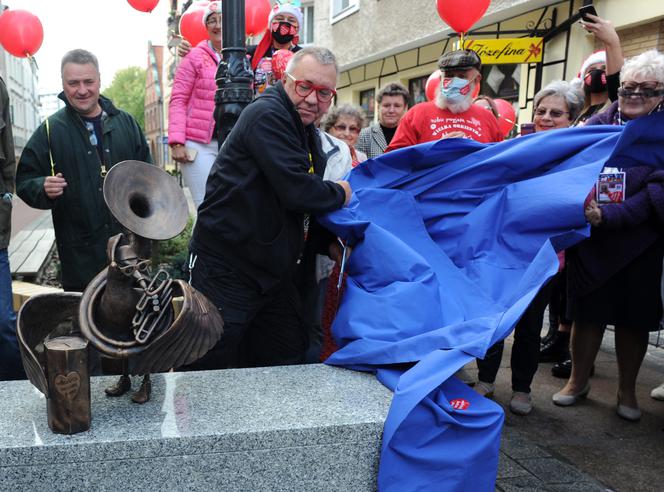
526 483
578 487
507 468
516 446
551 470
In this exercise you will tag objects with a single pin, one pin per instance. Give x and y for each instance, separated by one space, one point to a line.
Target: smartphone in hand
191 154
585 10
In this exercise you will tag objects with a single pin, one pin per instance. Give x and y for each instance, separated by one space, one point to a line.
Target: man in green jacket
62 168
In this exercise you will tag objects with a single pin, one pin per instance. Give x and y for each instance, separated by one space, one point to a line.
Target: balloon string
32 60
461 35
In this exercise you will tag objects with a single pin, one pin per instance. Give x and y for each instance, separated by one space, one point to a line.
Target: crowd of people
257 250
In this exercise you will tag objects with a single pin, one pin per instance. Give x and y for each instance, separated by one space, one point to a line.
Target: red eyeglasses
303 88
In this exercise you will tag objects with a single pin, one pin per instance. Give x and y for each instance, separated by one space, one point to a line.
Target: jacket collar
378 135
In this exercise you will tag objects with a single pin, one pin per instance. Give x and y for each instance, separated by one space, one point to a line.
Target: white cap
287 8
212 8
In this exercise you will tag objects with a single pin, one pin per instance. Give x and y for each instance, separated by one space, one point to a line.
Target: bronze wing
197 328
42 317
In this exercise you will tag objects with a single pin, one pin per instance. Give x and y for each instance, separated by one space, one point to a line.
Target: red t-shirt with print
426 122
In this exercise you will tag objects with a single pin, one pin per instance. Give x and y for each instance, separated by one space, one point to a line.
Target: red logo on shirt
460 404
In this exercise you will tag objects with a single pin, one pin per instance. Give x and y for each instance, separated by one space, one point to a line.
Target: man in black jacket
256 219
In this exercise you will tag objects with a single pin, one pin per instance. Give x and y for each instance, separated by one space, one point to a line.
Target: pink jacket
192 98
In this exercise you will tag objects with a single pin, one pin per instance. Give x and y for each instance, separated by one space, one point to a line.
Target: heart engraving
68 385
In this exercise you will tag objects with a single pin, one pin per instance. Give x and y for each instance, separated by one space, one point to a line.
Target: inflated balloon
280 60
461 16
143 5
21 33
191 23
3 28
256 14
432 85
506 115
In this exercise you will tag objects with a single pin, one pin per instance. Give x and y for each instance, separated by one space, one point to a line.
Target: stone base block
309 427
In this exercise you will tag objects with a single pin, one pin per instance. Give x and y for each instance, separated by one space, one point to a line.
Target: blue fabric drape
451 242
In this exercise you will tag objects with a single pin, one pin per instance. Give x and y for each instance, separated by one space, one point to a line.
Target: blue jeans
11 366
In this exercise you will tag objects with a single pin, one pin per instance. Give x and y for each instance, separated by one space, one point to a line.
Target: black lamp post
234 75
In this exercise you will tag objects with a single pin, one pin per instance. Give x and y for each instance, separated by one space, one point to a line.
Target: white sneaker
485 389
658 393
465 377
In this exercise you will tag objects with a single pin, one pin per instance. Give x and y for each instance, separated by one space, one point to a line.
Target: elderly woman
556 106
345 123
614 276
191 126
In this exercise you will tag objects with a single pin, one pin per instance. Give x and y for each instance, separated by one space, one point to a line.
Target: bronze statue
126 312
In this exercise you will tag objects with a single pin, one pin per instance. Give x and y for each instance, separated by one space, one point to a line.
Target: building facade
49 103
22 84
154 105
383 41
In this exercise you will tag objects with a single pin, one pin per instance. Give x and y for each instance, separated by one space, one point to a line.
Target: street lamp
234 75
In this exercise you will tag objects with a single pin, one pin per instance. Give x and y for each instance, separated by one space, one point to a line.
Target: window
339 9
368 103
501 81
417 89
307 28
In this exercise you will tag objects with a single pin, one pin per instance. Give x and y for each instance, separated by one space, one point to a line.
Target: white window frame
307 10
337 14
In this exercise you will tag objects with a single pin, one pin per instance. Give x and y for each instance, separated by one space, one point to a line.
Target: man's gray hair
335 112
79 57
320 54
572 96
649 64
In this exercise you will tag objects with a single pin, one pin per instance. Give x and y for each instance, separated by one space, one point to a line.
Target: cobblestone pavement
586 447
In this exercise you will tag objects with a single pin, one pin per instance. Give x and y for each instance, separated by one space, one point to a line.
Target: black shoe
557 350
564 369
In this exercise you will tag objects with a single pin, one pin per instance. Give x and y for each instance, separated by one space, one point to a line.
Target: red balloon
256 14
461 16
21 33
432 85
143 5
280 60
191 23
506 116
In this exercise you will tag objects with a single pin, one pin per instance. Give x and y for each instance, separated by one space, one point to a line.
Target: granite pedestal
310 427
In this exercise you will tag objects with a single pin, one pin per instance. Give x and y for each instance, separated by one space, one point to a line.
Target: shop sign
507 50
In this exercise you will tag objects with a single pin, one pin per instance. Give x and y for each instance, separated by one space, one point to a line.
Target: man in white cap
452 114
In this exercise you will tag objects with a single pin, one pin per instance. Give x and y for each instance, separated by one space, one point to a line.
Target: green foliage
127 91
172 255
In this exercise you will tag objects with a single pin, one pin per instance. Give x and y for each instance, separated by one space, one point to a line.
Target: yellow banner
507 50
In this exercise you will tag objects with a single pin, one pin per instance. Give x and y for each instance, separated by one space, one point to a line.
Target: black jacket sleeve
280 154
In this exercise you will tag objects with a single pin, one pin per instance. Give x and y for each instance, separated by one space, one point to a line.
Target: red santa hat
596 57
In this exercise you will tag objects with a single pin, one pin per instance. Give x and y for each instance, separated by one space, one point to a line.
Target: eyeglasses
303 88
343 128
554 113
213 22
645 90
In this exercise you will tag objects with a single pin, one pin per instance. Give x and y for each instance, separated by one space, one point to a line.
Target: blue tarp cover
451 241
